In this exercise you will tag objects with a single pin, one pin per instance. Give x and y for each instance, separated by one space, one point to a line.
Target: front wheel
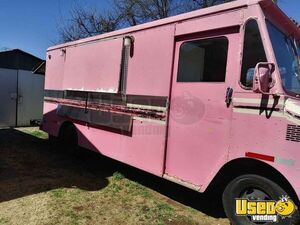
256 188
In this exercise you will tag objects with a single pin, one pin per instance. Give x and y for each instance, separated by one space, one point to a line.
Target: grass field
42 184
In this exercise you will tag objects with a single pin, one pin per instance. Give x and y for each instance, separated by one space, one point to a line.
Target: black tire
68 138
240 185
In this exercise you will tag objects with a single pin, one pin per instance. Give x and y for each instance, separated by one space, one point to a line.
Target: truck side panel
130 129
143 149
94 66
150 68
54 71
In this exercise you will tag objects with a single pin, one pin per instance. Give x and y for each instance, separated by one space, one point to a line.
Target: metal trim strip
109 98
142 119
269 102
181 182
95 117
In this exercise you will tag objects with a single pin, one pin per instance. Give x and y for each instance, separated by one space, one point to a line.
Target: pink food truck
203 99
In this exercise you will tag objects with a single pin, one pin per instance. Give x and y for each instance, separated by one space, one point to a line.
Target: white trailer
21 91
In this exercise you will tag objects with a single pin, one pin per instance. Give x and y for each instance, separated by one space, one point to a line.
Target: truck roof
267 5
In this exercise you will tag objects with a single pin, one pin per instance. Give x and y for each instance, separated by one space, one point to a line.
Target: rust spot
121 109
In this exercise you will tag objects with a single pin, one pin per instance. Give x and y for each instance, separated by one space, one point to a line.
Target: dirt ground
42 184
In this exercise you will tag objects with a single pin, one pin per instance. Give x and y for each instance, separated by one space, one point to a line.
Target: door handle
228 98
20 99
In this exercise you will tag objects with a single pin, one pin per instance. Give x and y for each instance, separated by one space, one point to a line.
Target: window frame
243 35
203 39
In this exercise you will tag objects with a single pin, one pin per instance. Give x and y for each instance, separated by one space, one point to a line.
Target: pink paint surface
195 145
93 67
144 149
199 125
146 70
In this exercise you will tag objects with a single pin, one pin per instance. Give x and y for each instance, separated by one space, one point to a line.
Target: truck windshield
287 56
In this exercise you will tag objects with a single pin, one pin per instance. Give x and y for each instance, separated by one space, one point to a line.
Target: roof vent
293 133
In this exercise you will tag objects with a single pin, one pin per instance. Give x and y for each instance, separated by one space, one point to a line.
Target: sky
31 25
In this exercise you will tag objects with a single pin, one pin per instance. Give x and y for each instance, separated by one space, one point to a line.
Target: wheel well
65 126
244 166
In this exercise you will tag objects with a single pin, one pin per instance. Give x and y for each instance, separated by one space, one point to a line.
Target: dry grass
41 184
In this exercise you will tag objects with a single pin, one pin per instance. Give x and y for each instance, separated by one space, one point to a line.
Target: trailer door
205 71
30 99
8 95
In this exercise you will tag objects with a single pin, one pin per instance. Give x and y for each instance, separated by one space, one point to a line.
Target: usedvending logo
265 211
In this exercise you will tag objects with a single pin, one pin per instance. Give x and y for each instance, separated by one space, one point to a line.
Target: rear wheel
68 138
253 187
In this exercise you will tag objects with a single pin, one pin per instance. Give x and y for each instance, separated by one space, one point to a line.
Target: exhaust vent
293 133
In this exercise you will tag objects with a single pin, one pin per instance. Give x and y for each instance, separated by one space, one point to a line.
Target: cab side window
253 52
203 60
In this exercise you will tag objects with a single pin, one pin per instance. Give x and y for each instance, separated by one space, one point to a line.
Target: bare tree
85 22
198 4
135 12
156 9
129 11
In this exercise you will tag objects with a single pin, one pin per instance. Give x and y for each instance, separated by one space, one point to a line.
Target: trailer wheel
253 187
68 138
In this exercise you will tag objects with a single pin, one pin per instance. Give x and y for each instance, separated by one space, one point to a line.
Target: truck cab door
204 76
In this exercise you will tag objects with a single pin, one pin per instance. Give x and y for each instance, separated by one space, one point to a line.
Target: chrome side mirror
262 79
